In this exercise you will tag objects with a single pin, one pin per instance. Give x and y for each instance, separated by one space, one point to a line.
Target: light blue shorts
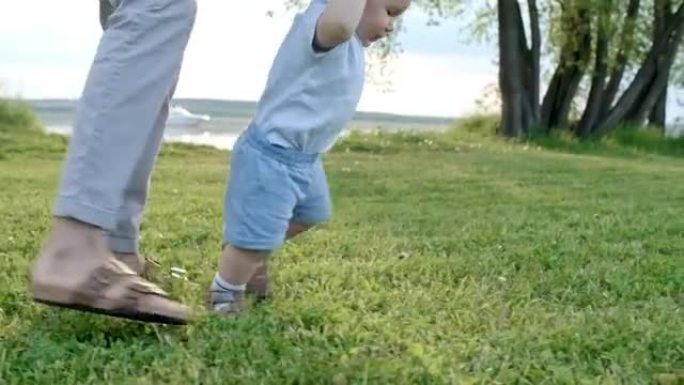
269 187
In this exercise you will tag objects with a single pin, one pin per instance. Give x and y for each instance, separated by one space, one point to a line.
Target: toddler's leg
312 210
260 284
297 228
259 201
236 267
316 206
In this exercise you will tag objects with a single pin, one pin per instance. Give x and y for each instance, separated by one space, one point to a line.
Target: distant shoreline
228 119
246 108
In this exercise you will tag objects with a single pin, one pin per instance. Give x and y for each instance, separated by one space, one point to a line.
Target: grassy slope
448 260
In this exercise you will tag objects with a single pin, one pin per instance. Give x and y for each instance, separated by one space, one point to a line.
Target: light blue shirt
310 96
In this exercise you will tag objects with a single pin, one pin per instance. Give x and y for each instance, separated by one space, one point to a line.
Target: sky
46 48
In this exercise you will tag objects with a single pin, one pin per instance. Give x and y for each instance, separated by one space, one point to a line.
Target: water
228 119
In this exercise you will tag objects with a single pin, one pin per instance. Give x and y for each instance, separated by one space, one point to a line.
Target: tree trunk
535 33
659 84
621 60
598 81
568 74
663 9
658 117
552 91
514 74
646 79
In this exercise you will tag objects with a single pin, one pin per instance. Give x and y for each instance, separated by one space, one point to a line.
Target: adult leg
132 75
123 240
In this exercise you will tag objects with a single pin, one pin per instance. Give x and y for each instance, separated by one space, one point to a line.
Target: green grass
624 141
449 260
21 133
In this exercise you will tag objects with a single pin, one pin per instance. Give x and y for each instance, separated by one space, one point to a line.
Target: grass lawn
448 260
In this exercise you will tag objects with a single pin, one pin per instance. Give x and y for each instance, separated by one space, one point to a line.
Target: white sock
218 284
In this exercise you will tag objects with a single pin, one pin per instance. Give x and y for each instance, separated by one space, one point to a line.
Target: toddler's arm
338 22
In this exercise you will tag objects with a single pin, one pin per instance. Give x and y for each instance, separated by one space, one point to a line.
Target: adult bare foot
75 269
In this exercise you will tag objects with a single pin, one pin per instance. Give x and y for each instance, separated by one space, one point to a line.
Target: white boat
181 117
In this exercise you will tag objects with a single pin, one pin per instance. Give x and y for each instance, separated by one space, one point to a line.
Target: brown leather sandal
116 290
146 267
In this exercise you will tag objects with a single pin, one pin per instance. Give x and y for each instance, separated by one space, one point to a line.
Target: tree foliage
581 65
